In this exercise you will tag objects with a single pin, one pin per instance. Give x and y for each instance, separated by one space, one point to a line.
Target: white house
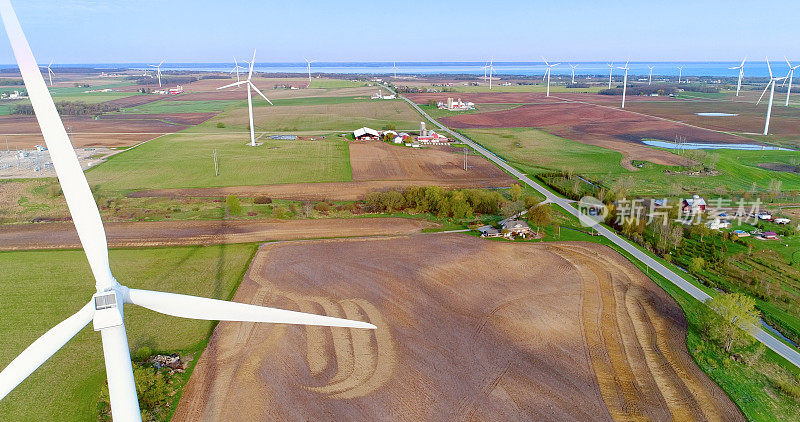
718 223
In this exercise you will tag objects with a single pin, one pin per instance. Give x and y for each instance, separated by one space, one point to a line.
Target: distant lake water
599 69
691 145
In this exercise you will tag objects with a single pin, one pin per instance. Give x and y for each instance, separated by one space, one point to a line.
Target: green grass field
41 288
533 150
332 116
335 83
186 160
496 87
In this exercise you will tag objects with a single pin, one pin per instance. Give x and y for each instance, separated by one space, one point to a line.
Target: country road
764 337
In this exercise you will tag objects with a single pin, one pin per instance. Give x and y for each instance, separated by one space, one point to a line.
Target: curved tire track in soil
472 330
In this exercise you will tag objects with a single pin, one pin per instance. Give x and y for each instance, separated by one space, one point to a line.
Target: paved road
773 343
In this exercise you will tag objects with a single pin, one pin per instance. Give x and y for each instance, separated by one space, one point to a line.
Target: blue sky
85 31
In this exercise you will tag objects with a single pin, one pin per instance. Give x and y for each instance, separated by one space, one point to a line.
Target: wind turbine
547 73
394 69
650 79
250 85
680 73
789 76
741 73
236 68
105 309
573 72
50 72
610 72
770 84
624 83
309 70
158 71
491 69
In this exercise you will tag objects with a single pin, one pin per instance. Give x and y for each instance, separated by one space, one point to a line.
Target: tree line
69 108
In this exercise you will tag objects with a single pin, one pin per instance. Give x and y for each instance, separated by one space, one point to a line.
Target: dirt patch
170 233
337 191
785 168
540 115
112 130
468 329
382 161
134 100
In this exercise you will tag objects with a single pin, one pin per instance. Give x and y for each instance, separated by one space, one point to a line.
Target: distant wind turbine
50 72
680 73
236 68
610 72
573 72
394 69
650 79
771 87
547 73
491 70
789 77
624 83
158 71
250 86
741 73
309 70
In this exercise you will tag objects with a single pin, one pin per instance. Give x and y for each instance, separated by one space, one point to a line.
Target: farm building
489 231
769 235
517 228
718 223
366 134
175 91
429 136
782 221
693 205
455 105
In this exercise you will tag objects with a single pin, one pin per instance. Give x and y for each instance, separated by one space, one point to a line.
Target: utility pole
216 164
465 157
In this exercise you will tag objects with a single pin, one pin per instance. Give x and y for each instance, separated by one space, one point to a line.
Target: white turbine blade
162 62
545 61
743 60
555 64
77 193
40 350
250 75
762 94
769 68
260 93
233 84
784 57
119 373
152 65
235 63
220 310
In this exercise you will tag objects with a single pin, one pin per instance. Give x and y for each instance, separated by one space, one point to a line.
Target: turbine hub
107 310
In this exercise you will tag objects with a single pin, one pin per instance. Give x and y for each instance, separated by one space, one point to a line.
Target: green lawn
335 83
533 150
67 387
496 87
217 106
186 160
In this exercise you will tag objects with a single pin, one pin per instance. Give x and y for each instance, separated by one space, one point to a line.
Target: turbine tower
394 69
250 86
573 72
158 71
547 73
105 309
741 73
610 72
680 73
236 68
771 87
624 83
491 69
789 77
50 72
650 79
309 70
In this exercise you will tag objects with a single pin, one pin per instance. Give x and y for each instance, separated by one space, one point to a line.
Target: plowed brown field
110 130
381 161
171 233
468 329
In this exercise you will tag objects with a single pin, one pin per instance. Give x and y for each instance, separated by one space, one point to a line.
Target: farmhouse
455 105
379 96
516 228
693 205
769 235
366 134
718 223
489 231
175 91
